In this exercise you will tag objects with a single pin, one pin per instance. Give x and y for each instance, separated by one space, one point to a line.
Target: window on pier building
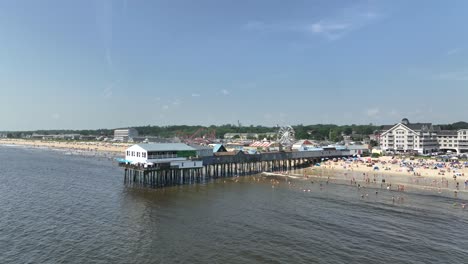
143 154
128 153
133 153
138 154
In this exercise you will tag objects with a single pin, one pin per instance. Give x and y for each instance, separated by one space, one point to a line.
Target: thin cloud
104 13
109 58
225 92
107 93
195 95
332 28
256 26
56 116
321 27
461 75
453 51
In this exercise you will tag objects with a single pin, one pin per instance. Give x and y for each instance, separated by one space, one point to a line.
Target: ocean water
57 208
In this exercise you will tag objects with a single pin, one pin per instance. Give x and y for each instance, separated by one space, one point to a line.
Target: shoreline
74 147
396 169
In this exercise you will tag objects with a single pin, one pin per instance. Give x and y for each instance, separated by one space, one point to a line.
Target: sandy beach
101 147
399 174
389 166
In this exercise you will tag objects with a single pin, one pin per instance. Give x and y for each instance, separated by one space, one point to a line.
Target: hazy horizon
108 64
243 125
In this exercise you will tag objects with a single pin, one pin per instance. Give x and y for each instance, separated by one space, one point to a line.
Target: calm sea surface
57 208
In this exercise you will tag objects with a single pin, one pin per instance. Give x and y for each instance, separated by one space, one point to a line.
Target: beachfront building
125 134
358 149
453 140
462 141
174 155
303 144
410 137
447 140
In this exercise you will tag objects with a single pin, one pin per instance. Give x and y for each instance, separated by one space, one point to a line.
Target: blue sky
105 64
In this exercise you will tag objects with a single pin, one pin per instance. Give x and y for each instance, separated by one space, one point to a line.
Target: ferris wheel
286 135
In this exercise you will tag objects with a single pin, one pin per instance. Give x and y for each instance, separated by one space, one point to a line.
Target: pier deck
232 164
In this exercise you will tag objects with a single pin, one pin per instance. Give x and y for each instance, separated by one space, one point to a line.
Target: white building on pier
175 155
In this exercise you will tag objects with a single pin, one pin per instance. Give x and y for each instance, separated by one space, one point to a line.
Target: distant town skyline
109 64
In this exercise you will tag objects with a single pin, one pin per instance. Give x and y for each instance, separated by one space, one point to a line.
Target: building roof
219 148
303 142
412 126
447 133
165 147
387 127
200 147
418 126
260 144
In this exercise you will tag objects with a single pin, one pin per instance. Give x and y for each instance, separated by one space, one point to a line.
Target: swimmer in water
463 205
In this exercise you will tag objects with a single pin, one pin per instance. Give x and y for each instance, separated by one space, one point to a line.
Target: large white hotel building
423 138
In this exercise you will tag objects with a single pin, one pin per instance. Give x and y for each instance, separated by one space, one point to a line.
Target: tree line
316 132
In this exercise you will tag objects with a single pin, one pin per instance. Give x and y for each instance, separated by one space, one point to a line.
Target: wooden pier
226 165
